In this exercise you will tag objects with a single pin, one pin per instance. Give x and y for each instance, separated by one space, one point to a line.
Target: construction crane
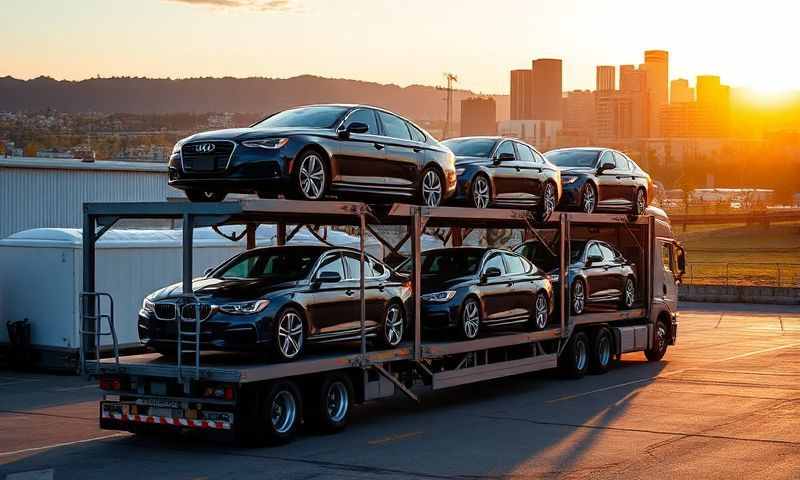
451 79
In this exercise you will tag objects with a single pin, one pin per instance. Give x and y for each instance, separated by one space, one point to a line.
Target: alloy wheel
393 326
578 298
480 192
431 189
549 199
541 311
283 411
641 202
290 335
337 402
311 177
630 293
589 199
471 320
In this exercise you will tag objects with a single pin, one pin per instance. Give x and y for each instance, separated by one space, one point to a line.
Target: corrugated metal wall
53 197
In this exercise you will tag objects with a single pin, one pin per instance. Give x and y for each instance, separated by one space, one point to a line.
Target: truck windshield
308 117
285 265
573 158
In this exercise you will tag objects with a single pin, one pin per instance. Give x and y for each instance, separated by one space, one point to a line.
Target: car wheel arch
315 147
302 310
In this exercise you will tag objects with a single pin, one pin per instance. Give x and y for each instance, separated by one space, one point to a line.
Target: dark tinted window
290 264
416 134
470 147
573 158
594 250
332 263
394 127
310 117
505 147
515 265
354 266
366 116
525 153
495 261
447 263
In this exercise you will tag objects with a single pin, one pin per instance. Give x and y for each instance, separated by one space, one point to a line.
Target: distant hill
241 95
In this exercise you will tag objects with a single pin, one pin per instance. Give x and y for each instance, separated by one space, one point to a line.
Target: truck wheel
334 397
659 343
602 351
281 411
574 360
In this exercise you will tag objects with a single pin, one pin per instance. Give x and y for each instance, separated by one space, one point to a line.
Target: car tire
628 294
288 339
577 297
541 312
588 198
660 342
640 202
602 351
431 187
333 399
549 200
470 319
481 191
574 361
311 176
280 412
205 197
392 329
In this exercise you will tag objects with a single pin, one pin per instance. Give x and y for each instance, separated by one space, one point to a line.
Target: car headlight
554 277
459 171
567 179
438 297
244 308
268 143
147 305
177 148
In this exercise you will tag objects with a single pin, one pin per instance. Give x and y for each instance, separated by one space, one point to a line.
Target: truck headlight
268 143
244 308
438 297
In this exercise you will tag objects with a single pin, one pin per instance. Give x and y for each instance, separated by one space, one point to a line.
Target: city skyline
119 39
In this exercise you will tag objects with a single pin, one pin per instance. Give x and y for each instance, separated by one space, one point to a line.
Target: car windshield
540 256
470 147
309 117
573 158
447 263
282 265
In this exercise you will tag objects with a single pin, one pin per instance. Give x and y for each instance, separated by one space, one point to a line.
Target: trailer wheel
333 399
659 343
602 351
280 412
574 360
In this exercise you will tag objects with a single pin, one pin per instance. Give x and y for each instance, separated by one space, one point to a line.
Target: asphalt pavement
724 403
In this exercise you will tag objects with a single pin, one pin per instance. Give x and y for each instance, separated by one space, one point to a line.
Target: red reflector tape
178 422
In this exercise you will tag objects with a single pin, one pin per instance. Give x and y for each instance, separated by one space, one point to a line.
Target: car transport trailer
246 396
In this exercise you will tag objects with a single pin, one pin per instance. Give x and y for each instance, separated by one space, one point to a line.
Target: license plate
203 164
154 402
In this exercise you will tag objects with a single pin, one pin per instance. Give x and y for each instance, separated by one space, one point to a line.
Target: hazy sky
404 42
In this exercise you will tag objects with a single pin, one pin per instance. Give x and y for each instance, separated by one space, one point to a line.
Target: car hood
576 170
240 134
224 289
435 283
464 161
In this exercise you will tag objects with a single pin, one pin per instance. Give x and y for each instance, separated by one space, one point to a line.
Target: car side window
608 157
365 116
376 269
525 153
516 265
621 161
608 254
495 261
332 263
394 127
354 266
538 156
505 147
594 250
416 134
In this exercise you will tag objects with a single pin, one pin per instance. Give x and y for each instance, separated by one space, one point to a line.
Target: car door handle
619 177
417 149
379 146
349 293
381 287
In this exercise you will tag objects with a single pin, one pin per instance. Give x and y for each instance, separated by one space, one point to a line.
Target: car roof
587 149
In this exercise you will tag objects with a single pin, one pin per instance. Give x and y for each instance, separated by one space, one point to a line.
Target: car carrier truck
247 398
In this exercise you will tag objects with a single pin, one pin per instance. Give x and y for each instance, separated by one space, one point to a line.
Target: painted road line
394 438
64 444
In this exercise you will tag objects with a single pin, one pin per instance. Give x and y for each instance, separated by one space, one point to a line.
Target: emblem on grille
204 148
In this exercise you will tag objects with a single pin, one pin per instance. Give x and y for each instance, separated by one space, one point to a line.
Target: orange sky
403 42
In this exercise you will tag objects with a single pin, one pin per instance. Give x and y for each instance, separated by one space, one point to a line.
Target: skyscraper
546 89
656 63
680 92
632 79
478 116
521 94
606 80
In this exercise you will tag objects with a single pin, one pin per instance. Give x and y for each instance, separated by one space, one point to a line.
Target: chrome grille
200 157
164 311
189 311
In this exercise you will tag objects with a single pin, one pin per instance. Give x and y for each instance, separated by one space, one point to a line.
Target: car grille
189 312
216 160
165 311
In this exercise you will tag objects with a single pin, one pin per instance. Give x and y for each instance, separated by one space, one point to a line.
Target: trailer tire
280 412
333 399
602 351
574 361
660 342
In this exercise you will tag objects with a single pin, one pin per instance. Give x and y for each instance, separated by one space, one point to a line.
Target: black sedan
310 152
598 273
468 288
601 179
276 299
503 172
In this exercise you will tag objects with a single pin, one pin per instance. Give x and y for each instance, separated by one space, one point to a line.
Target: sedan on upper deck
313 151
601 179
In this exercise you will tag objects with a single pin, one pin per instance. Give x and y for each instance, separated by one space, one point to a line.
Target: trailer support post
564 248
251 236
362 300
280 233
188 231
416 254
87 324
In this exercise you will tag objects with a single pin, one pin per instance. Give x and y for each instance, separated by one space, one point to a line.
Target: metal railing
760 274
181 311
92 306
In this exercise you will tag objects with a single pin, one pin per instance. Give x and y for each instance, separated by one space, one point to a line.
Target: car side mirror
328 277
607 166
354 127
594 259
505 157
490 272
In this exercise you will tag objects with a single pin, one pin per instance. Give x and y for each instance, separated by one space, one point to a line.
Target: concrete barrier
739 294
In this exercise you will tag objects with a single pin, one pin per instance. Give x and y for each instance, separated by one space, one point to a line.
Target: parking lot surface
724 403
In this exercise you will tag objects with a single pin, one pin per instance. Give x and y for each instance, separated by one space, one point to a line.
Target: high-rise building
632 79
521 94
606 78
656 63
707 117
578 112
680 92
546 103
478 116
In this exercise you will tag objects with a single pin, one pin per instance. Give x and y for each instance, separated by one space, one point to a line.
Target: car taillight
110 383
228 393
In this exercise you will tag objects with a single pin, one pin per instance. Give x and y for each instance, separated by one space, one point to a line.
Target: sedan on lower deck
468 289
277 299
504 172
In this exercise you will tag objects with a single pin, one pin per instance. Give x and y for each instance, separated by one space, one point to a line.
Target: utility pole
451 79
